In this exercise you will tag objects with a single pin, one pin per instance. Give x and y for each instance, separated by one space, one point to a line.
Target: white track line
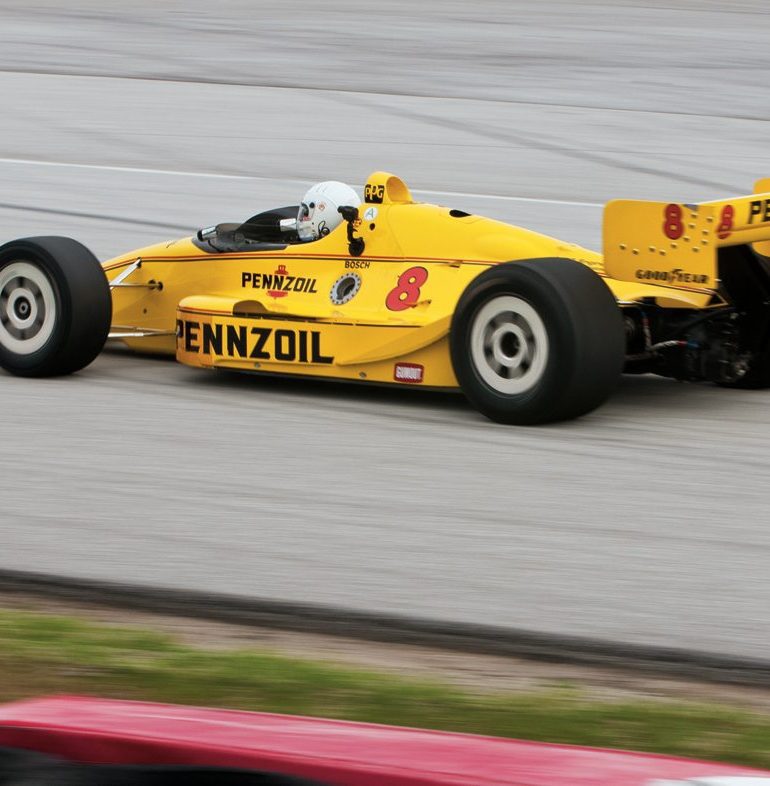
219 176
131 169
509 198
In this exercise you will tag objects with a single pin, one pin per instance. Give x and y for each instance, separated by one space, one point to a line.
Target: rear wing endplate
675 244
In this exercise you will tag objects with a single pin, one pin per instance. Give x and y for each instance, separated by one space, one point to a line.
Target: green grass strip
42 654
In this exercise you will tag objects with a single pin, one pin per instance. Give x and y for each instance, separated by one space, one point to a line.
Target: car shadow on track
304 387
634 393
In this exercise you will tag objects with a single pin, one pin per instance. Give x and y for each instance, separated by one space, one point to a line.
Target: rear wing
676 245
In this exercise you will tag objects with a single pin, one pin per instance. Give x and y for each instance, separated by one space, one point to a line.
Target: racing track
646 523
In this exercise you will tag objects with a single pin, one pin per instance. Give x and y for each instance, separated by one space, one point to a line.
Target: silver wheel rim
509 345
27 308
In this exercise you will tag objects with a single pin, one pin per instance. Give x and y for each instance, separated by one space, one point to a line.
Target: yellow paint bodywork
216 301
676 245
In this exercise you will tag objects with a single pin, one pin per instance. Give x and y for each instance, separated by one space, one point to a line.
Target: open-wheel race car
78 741
530 328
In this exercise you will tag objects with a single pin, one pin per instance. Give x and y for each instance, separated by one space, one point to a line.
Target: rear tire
537 341
55 306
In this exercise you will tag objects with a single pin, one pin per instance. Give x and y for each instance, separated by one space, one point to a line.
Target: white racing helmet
318 214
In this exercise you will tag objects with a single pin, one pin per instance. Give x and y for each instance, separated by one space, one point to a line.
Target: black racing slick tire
537 341
55 306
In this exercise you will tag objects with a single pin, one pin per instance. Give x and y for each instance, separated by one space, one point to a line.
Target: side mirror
356 245
349 213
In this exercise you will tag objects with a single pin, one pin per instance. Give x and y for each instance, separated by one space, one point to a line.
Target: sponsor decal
356 264
411 373
255 343
370 214
759 211
280 283
676 276
374 193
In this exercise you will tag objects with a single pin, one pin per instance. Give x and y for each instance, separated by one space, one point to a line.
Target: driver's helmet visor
305 228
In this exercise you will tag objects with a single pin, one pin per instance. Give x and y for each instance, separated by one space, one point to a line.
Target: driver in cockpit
318 214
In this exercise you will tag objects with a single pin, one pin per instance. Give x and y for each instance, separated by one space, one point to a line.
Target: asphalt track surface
125 123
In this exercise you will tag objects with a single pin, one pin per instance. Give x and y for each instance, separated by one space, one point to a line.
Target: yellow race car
530 328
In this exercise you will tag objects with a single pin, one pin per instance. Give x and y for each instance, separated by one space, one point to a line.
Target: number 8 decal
406 293
673 228
724 230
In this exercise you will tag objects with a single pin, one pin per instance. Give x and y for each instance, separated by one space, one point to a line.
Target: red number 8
726 222
673 228
407 290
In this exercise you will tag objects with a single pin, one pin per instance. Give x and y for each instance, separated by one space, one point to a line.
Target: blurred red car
74 740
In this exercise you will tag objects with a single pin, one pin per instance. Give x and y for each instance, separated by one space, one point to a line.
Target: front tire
55 306
537 341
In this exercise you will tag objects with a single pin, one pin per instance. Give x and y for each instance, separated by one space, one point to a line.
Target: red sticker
411 373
